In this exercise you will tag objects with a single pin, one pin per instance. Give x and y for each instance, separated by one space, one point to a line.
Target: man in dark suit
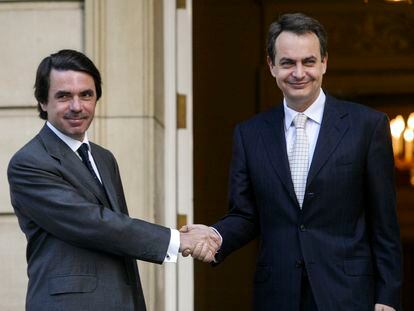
67 194
313 180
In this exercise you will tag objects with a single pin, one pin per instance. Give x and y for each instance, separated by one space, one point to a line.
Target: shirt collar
314 111
72 143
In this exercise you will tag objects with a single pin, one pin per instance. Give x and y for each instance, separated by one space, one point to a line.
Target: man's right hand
200 241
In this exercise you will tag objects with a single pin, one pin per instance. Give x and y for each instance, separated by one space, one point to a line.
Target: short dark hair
299 24
63 60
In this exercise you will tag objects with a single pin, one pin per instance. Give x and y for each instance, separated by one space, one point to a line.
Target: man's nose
298 73
76 104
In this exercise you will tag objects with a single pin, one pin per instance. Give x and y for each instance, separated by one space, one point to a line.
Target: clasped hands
199 241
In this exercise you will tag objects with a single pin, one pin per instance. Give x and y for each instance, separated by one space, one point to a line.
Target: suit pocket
262 274
64 284
358 267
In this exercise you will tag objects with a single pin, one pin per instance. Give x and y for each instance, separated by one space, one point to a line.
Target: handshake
199 241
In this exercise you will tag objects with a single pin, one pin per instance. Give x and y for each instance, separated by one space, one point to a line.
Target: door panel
228 52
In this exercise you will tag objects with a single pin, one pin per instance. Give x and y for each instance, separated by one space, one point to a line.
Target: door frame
179 279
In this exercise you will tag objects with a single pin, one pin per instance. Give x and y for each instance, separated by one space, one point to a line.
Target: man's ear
43 106
325 63
271 66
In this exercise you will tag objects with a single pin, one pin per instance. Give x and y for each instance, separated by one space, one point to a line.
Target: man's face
298 68
71 102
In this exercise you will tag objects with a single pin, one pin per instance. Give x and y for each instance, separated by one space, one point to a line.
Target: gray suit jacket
82 244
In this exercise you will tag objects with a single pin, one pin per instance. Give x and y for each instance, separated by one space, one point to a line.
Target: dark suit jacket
82 245
346 235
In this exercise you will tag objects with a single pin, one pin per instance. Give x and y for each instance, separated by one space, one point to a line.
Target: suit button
310 195
299 263
302 227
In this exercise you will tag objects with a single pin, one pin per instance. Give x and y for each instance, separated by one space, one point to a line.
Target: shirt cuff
221 242
221 238
173 247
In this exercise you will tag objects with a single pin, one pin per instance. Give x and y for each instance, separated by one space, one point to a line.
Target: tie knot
83 148
300 120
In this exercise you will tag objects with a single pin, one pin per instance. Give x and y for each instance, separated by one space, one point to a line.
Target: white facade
134 44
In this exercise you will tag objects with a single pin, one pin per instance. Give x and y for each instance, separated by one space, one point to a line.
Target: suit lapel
71 163
273 135
334 125
106 178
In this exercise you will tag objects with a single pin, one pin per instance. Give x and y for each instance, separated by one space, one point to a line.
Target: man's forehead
70 77
292 45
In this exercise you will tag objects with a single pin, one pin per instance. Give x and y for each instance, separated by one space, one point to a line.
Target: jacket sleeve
382 217
240 225
46 202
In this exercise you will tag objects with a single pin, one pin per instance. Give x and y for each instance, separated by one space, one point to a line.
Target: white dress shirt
312 127
73 144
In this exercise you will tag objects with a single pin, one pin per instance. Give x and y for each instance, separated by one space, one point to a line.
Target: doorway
228 56
231 83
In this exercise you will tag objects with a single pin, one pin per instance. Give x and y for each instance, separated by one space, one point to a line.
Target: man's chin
299 96
77 135
300 100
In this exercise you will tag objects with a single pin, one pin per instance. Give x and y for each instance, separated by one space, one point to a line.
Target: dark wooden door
228 51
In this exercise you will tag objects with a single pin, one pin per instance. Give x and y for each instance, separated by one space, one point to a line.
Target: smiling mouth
78 118
75 121
299 85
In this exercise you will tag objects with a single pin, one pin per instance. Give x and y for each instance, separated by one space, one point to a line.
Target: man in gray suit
67 194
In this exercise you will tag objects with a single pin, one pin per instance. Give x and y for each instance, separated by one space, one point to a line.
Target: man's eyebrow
87 91
284 59
61 93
